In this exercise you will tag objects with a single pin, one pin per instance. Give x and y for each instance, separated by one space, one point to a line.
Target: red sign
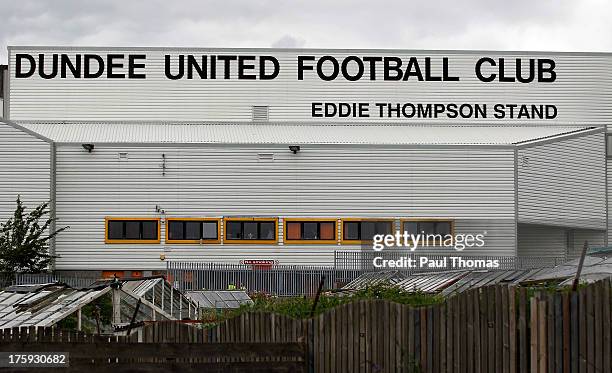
259 263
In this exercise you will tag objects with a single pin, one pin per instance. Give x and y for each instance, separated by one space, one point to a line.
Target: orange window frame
432 220
309 242
217 241
243 241
359 242
131 241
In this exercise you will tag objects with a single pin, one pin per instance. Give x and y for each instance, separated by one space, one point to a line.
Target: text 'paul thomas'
268 67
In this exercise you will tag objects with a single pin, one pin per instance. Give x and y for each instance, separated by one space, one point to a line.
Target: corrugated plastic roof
46 304
375 278
594 268
446 282
292 133
141 287
219 299
42 306
476 279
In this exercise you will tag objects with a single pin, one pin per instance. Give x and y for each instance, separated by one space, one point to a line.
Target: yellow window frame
247 219
359 242
217 241
130 241
309 242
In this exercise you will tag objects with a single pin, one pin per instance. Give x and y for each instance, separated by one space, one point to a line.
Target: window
609 145
132 230
310 231
365 230
441 227
192 230
254 230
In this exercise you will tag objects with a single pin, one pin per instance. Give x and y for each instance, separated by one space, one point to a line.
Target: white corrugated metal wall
564 183
25 163
609 194
550 241
541 240
473 185
581 91
562 195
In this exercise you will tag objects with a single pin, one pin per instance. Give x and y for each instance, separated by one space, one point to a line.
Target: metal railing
282 280
291 280
76 281
364 261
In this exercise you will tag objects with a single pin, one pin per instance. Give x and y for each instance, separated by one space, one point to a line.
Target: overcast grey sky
563 25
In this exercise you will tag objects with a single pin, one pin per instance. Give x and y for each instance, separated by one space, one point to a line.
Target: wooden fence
492 329
186 352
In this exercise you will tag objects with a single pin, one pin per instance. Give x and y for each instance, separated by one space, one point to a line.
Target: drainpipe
5 93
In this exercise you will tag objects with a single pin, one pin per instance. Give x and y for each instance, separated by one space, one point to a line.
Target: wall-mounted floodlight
294 148
88 147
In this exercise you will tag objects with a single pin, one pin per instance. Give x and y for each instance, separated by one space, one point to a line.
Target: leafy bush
300 307
24 240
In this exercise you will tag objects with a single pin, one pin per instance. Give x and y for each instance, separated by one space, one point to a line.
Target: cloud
288 41
563 25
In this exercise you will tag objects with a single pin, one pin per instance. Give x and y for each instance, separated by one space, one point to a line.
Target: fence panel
281 280
182 354
76 281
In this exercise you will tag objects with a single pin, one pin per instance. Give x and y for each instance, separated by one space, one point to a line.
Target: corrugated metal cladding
473 185
284 133
609 186
25 163
581 91
192 149
549 241
564 183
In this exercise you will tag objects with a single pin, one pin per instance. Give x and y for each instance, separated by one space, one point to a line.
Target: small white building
233 170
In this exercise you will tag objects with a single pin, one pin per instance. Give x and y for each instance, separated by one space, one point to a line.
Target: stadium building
290 155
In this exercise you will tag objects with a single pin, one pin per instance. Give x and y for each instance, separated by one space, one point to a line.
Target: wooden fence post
607 324
512 327
534 350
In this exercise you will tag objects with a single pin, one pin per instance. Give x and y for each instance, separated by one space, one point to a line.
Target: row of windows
263 230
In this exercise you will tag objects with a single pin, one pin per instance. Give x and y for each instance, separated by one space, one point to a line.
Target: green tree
24 240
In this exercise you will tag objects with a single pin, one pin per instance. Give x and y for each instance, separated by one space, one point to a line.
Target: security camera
294 148
88 147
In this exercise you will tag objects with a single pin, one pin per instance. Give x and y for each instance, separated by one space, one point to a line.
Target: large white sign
312 85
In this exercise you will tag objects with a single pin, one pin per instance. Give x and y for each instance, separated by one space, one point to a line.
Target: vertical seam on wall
516 204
